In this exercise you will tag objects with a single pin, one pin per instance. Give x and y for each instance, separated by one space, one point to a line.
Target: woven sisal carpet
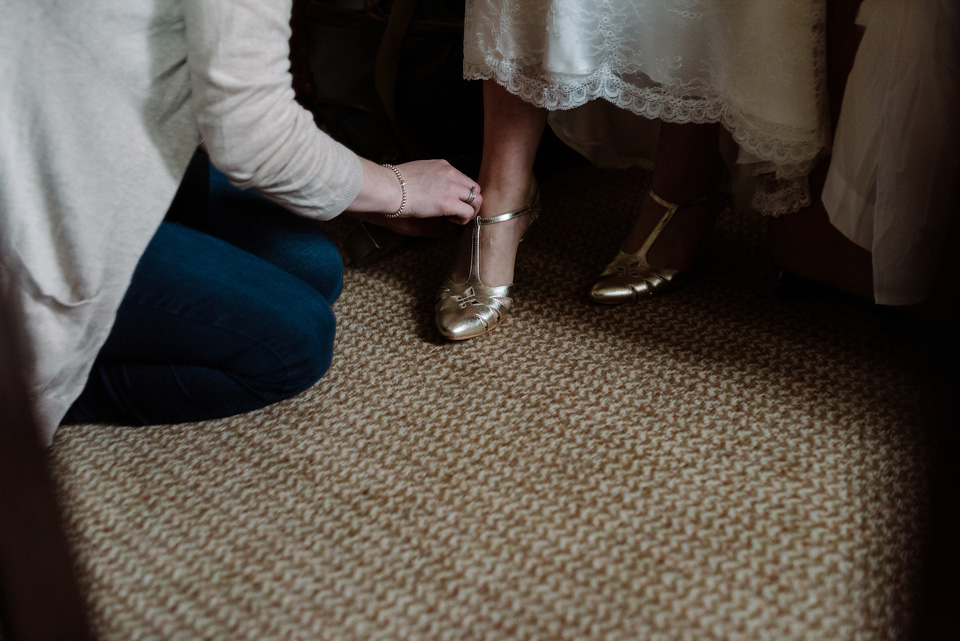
714 464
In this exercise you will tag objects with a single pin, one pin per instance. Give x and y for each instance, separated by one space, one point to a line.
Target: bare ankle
696 180
501 196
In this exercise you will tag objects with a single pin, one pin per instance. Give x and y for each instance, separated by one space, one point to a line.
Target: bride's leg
512 130
687 166
675 218
478 293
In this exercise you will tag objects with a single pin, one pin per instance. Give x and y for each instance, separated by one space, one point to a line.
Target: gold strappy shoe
631 276
471 308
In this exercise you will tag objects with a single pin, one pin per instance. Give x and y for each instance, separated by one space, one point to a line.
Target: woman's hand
434 189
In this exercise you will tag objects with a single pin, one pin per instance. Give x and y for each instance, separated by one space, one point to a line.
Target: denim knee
307 335
326 273
295 244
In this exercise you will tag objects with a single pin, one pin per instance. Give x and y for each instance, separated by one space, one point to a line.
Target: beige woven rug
714 464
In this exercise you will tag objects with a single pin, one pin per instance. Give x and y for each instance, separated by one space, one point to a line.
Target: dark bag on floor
385 78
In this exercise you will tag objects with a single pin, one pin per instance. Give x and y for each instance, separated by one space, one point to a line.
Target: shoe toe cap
612 292
459 326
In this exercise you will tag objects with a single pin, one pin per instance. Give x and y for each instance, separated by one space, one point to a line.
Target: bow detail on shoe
469 298
632 268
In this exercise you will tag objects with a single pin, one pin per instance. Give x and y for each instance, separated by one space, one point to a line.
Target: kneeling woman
137 311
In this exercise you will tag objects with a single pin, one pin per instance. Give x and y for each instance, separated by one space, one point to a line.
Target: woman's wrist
380 192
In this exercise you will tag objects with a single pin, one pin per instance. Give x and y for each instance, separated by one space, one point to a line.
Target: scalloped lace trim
675 105
621 78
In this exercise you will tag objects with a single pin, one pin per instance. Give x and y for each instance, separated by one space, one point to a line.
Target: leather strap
532 206
502 218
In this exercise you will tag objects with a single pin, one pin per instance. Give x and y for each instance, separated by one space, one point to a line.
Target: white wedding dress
755 66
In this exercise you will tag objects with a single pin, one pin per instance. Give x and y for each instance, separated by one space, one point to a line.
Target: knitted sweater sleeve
243 100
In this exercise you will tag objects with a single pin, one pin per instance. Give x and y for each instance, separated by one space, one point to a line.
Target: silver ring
473 194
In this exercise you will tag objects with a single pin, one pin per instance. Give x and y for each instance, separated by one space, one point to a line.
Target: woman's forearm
254 130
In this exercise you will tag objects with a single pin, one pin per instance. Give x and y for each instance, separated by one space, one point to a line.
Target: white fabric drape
892 186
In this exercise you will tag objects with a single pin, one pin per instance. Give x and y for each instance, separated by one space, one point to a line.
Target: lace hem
778 196
792 155
756 68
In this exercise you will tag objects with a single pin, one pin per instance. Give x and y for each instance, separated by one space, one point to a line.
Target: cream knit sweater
102 105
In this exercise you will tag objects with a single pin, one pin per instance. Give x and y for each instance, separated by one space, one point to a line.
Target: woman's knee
325 265
296 245
304 342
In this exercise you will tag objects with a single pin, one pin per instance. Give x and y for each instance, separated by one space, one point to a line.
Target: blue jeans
223 317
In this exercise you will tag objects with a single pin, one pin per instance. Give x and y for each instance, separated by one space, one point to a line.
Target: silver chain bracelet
403 190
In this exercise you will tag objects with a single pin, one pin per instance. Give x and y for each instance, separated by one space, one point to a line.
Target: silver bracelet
403 190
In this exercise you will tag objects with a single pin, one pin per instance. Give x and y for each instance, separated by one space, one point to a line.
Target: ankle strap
660 201
532 206
716 195
719 191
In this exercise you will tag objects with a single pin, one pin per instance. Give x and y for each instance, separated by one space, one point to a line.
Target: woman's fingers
463 199
465 212
436 188
421 189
